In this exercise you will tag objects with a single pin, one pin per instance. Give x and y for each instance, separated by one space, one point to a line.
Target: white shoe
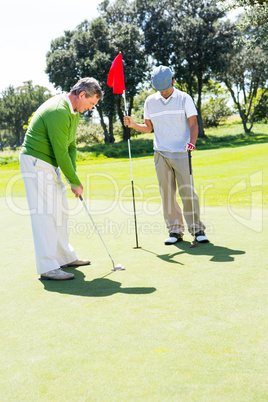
77 263
173 238
200 237
57 275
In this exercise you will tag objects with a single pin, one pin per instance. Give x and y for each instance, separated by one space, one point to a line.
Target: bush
89 133
139 147
261 110
6 160
214 111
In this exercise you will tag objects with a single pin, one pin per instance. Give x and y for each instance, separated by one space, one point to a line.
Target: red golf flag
116 75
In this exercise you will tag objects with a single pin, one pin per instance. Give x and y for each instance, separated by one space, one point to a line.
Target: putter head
119 267
194 244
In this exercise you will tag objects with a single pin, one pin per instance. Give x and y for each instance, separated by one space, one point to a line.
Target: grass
229 134
228 176
180 324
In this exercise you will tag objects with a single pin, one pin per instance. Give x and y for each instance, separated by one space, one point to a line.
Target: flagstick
133 197
125 103
132 183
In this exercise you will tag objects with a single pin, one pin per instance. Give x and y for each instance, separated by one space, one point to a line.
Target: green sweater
51 136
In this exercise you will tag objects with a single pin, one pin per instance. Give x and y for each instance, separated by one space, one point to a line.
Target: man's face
166 94
83 104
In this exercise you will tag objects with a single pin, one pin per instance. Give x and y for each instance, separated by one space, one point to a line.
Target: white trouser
47 200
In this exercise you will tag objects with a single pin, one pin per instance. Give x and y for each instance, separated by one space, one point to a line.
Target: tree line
193 37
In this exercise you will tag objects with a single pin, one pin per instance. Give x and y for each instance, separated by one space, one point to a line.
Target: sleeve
72 153
190 108
146 111
58 127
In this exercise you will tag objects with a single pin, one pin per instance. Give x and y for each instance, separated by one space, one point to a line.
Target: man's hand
189 147
77 190
143 128
128 121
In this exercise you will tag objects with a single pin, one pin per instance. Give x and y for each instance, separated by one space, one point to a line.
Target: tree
81 53
191 37
127 38
201 42
245 3
90 50
257 19
247 81
261 109
17 105
255 15
214 107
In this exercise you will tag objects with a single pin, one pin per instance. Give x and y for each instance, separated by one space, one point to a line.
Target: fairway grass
222 177
180 324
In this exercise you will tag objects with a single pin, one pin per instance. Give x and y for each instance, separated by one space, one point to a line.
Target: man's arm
57 127
143 128
72 152
193 129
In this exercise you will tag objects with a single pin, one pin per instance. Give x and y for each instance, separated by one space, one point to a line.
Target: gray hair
90 86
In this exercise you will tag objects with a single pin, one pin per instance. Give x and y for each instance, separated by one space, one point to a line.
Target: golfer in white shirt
171 114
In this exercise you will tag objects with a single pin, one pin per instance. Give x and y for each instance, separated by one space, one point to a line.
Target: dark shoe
200 237
76 263
173 238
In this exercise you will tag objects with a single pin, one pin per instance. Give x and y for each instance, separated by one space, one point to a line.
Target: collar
69 103
173 95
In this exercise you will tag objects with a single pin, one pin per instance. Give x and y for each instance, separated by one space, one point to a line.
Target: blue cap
162 78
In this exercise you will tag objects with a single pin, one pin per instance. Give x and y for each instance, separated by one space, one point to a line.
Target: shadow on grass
217 253
164 257
100 287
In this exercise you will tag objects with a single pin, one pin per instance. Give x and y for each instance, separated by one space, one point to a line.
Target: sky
27 28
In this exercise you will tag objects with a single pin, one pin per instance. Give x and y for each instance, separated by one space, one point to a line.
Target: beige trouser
170 171
47 200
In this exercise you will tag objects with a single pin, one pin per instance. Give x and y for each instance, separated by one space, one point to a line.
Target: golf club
118 267
133 196
195 242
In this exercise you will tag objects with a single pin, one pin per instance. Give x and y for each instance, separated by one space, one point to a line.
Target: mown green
180 324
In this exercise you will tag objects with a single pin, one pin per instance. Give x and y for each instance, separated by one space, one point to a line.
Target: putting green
179 324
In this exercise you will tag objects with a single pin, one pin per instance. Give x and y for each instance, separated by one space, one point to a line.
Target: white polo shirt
169 119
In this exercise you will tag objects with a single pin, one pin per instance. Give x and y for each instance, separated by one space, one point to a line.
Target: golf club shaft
89 214
192 186
133 195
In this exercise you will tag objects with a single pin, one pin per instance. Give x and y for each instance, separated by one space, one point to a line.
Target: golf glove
189 147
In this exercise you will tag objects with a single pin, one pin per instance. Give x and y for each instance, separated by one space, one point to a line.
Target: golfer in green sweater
49 147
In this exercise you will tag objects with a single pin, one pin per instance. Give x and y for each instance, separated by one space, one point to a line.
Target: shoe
173 238
200 237
76 263
57 275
